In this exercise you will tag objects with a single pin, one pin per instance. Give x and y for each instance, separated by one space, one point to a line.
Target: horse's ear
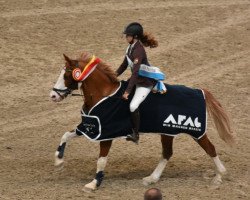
67 59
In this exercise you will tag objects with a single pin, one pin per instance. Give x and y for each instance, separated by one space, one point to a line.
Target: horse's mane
102 66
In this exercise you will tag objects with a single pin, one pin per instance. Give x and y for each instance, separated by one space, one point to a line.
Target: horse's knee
167 146
64 137
104 148
209 148
67 136
167 153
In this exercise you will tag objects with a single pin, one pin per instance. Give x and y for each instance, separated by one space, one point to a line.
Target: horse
100 81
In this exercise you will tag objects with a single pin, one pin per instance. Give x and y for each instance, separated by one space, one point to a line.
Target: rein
68 91
81 95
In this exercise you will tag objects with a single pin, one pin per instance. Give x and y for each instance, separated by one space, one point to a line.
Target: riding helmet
134 29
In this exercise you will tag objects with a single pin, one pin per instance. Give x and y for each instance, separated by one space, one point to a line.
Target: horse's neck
96 87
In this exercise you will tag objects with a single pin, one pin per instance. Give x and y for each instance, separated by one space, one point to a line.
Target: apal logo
182 122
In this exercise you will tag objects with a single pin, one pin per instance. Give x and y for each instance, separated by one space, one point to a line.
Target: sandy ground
202 44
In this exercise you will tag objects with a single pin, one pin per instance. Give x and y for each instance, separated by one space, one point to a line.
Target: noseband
64 92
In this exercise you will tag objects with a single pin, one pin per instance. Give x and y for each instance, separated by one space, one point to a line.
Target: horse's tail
220 118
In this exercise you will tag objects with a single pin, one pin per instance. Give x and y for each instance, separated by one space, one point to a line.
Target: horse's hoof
149 180
90 187
88 190
216 182
59 168
59 163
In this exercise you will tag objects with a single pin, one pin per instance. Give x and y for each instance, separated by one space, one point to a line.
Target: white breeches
140 95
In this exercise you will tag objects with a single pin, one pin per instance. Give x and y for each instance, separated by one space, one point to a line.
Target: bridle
79 75
62 93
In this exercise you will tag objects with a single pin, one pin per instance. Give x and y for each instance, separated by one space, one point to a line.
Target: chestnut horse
100 82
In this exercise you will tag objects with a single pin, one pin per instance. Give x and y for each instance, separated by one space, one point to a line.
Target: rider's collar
133 42
130 47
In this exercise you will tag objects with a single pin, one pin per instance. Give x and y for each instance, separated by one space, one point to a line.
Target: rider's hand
125 95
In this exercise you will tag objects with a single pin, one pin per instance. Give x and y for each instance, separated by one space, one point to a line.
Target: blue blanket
180 110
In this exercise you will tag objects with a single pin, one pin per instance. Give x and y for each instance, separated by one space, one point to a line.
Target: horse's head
68 78
78 70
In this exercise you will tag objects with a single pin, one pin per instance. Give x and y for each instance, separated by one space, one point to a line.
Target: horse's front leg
101 163
60 150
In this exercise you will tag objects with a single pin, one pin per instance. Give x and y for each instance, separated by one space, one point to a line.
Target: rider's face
129 38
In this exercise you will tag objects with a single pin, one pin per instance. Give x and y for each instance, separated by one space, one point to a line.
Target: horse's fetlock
222 170
99 178
60 150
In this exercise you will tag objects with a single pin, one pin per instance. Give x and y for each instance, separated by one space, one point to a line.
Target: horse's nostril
53 96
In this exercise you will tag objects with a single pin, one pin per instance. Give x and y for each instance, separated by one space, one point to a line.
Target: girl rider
135 56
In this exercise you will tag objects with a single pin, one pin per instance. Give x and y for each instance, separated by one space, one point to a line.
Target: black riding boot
135 117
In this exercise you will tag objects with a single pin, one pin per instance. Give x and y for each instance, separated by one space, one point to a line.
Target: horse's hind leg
101 164
167 152
60 150
205 143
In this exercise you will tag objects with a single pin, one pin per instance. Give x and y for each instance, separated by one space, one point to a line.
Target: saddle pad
180 110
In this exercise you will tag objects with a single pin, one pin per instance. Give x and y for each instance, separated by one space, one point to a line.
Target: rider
135 56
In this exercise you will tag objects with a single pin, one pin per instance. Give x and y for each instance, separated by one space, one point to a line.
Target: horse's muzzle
57 95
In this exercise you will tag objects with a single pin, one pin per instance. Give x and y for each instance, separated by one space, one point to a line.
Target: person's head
153 194
134 31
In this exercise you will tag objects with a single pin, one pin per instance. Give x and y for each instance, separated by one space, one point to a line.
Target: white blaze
60 81
59 85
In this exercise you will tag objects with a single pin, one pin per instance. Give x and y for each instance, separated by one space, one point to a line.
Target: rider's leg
140 95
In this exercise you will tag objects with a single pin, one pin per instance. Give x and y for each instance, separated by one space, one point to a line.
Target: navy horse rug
180 110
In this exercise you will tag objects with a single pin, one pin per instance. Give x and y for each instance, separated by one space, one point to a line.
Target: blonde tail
220 118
